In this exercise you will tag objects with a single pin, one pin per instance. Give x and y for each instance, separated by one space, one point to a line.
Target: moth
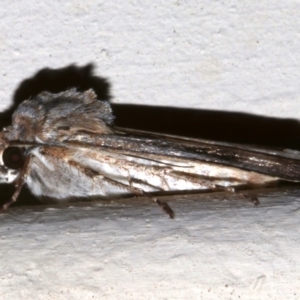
65 146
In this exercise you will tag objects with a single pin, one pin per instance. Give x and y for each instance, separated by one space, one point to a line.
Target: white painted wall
236 55
233 55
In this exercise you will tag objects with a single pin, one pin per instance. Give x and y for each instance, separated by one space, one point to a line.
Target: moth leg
251 198
18 184
139 192
135 191
165 207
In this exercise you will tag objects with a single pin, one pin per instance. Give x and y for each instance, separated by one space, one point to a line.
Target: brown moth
64 146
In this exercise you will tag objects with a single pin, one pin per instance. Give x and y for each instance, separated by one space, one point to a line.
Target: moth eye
13 158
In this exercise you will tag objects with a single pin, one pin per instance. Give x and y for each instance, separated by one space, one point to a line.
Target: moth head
11 162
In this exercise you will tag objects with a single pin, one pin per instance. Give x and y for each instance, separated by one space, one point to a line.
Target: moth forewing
64 146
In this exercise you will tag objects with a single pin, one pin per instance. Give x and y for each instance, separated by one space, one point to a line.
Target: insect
64 146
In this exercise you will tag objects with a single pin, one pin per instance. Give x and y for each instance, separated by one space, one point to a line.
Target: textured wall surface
238 56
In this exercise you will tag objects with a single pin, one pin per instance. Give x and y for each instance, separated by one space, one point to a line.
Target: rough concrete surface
230 56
